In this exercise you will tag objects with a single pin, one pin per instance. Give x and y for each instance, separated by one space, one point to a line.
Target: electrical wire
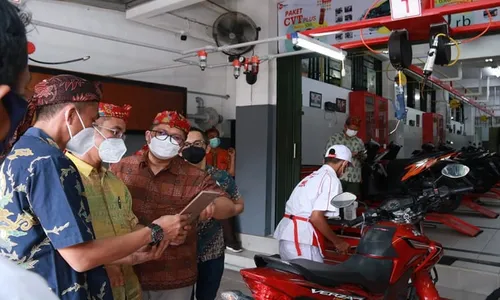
490 20
361 30
85 58
458 51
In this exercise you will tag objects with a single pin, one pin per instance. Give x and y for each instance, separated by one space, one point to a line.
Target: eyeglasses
116 132
200 144
163 136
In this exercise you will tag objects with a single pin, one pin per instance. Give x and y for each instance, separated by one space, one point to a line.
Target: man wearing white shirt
303 229
21 284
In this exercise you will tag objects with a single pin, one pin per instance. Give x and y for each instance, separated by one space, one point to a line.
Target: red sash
318 238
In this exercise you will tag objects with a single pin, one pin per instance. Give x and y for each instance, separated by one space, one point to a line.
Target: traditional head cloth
115 111
65 89
172 119
356 121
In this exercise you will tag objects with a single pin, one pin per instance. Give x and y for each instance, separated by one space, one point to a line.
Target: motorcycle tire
450 205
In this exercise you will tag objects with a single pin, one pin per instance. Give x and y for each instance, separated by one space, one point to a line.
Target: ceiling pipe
209 94
192 63
227 47
488 88
455 78
479 87
171 66
103 36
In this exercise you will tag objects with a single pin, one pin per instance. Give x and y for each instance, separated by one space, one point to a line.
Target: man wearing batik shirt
161 182
44 216
210 234
351 179
109 200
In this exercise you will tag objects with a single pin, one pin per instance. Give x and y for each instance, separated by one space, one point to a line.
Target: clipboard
199 203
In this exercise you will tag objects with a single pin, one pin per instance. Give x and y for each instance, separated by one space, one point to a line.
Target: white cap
341 152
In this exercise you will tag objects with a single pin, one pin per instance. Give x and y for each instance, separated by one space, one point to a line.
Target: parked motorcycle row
391 258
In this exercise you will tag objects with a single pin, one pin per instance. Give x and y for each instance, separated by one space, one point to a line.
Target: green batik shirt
355 144
110 206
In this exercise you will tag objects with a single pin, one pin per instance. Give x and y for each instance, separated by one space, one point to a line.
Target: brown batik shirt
165 193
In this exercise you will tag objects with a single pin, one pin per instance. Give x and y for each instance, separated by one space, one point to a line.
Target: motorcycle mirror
343 200
455 171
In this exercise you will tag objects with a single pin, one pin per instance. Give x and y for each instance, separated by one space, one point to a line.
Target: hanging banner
469 18
300 15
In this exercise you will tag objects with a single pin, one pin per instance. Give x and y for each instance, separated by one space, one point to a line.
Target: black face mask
193 154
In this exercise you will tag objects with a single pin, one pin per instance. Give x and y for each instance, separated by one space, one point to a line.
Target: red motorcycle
393 259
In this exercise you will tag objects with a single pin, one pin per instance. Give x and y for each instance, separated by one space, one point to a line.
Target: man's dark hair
13 44
203 134
213 130
46 112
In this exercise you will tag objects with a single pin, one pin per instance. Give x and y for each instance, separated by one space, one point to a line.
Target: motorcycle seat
369 273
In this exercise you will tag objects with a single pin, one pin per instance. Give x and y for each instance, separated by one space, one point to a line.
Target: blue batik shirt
210 233
42 209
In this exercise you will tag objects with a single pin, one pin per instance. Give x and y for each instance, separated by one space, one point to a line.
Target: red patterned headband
173 119
115 111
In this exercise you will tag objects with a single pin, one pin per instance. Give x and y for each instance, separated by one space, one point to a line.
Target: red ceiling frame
418 32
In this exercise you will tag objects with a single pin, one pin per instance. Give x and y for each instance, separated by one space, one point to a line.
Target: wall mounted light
308 43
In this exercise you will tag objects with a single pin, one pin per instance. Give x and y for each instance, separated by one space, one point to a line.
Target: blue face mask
16 108
215 142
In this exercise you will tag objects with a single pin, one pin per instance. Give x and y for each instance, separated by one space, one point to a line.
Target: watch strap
156 234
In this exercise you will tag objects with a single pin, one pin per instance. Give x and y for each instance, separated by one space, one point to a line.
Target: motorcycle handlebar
356 221
407 201
461 190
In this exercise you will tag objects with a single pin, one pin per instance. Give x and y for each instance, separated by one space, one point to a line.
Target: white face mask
351 133
81 142
111 150
163 149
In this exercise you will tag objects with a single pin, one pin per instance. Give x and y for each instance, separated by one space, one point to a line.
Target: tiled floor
231 280
485 247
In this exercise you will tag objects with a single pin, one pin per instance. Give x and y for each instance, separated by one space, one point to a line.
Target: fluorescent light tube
308 43
325 33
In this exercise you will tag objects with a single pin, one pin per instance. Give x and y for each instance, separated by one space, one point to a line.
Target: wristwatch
156 234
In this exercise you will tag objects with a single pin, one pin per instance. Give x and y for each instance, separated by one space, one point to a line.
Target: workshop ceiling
120 5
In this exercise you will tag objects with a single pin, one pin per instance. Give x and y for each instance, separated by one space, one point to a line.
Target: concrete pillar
255 127
442 105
